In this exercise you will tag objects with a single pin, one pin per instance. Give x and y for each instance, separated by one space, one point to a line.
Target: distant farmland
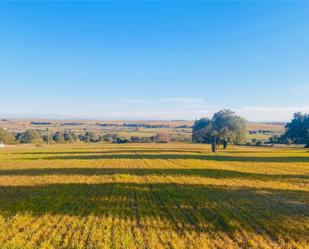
137 128
153 196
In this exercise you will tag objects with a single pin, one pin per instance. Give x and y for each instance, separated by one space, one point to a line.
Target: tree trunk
214 145
224 144
307 146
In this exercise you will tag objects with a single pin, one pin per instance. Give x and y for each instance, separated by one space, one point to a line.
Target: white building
1 145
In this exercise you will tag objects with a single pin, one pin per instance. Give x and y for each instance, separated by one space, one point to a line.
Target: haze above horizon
154 60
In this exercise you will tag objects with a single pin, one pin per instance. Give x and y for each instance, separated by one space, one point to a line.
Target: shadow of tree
196 207
110 151
212 173
197 156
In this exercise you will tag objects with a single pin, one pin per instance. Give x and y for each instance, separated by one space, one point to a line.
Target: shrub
120 140
108 138
162 137
258 143
136 139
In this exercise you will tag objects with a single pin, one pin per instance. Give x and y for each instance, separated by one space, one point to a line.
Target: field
153 196
175 128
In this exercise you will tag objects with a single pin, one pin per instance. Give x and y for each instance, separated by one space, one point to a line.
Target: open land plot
173 128
153 196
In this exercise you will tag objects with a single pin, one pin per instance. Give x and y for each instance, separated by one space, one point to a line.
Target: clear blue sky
158 60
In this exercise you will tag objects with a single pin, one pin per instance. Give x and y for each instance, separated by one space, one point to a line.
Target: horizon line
59 117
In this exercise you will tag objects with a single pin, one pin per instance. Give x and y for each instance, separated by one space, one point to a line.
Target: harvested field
153 196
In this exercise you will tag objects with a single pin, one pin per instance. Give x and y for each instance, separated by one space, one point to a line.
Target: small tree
88 137
31 136
59 137
69 136
7 137
108 137
91 136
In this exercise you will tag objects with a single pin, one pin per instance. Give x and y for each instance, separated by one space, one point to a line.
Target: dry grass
153 196
275 128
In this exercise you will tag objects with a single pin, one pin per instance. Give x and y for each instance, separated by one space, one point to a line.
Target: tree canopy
298 129
6 137
224 128
58 137
31 136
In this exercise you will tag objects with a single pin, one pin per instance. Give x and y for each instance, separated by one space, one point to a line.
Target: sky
154 60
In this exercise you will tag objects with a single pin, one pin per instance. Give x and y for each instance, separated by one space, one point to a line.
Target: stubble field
153 196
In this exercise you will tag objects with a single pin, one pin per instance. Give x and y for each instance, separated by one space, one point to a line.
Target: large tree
224 128
298 129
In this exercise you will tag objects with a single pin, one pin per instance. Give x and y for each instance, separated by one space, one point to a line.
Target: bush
120 140
88 137
162 137
135 139
108 138
181 138
258 143
275 139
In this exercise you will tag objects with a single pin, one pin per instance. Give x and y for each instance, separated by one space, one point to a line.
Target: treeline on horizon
33 136
223 128
128 125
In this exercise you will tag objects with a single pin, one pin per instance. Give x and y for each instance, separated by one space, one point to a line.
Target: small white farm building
1 145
